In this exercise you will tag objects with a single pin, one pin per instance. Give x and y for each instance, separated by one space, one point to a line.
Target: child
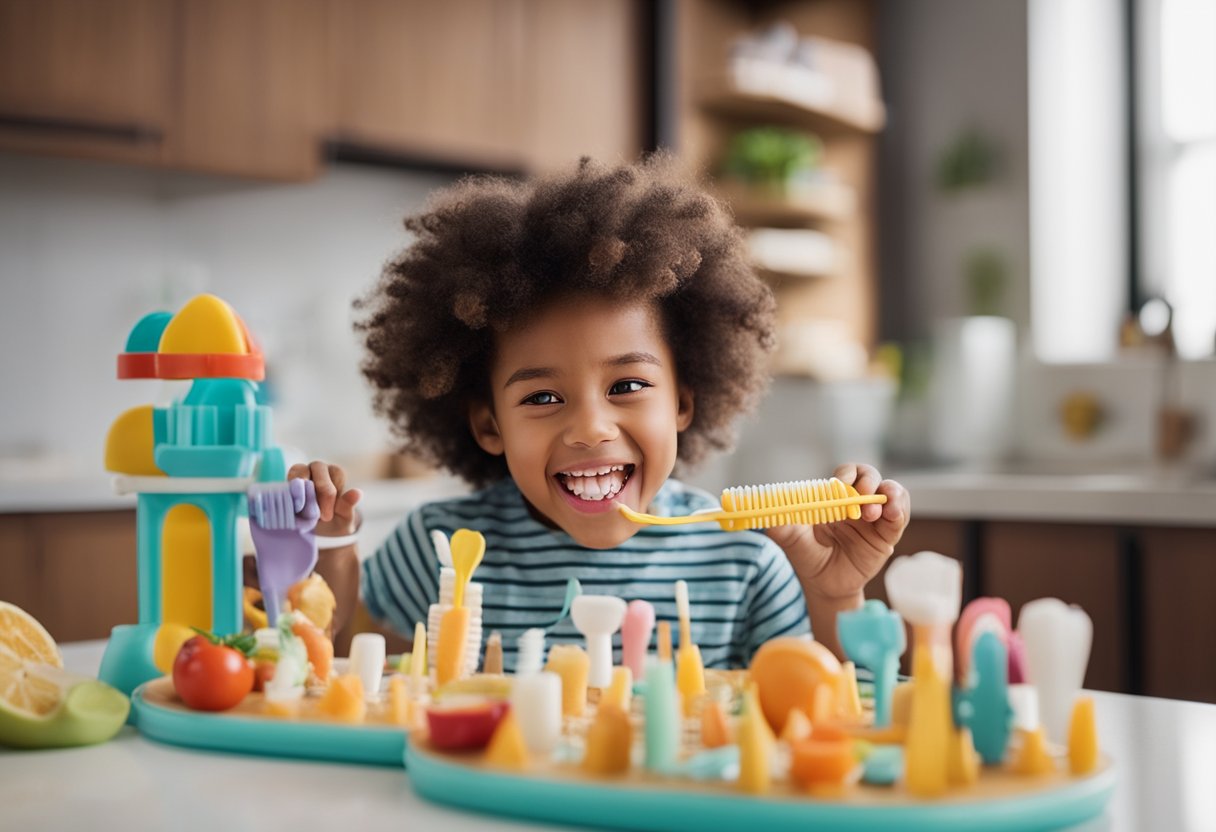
562 344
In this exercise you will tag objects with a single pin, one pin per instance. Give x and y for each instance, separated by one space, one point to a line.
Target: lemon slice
23 637
43 706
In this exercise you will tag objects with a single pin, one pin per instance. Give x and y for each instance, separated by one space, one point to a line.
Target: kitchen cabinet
219 86
1178 573
86 78
75 572
1079 564
507 84
251 93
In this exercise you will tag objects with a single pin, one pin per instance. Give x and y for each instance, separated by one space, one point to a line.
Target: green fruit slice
91 712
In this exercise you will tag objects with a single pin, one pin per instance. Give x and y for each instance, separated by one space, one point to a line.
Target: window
1082 221
1176 153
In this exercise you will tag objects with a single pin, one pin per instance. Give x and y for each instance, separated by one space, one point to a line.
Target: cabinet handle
132 133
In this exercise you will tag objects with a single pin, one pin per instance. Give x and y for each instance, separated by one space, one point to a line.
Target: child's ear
485 428
684 408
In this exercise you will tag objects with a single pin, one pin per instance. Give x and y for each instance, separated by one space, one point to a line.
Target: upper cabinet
259 87
504 84
251 87
86 78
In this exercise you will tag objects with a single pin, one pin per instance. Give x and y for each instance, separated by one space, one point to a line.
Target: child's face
586 409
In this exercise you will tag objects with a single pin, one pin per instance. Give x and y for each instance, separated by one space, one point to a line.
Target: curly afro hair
490 251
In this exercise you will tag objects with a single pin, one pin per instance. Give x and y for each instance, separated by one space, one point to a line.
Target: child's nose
590 425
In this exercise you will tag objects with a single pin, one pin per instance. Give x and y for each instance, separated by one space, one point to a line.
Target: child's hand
337 504
834 561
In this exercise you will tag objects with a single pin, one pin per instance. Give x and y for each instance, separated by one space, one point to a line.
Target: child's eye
632 385
542 398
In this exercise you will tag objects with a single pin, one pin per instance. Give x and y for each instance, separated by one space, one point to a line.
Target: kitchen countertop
1162 748
1146 496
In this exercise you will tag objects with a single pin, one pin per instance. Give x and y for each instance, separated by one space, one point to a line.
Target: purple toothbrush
282 517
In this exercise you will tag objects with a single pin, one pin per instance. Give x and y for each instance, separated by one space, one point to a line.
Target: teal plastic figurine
983 706
874 638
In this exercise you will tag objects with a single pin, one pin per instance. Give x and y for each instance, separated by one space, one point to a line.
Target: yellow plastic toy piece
572 664
492 664
690 671
481 685
1083 737
609 740
186 565
848 697
130 444
449 653
1032 758
755 745
901 704
255 619
399 704
715 729
797 726
169 639
964 768
507 748
205 324
343 699
776 504
620 690
927 751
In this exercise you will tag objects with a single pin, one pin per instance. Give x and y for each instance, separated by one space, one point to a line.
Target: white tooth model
926 589
597 617
1057 638
530 656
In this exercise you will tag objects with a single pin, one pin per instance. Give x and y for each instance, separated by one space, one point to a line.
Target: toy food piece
42 705
930 723
367 653
715 730
313 598
212 673
449 660
1032 757
1082 738
787 672
507 748
884 765
662 723
963 766
571 663
320 648
493 660
609 740
620 692
464 726
825 758
343 699
400 706
170 636
797 726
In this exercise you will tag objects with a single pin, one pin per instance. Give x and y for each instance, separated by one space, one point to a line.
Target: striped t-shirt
742 591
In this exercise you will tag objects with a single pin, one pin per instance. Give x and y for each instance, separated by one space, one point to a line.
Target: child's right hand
336 502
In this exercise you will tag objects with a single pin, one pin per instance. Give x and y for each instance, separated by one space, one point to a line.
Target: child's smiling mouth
594 484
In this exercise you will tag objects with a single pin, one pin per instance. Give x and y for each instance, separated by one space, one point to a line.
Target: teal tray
263 736
664 807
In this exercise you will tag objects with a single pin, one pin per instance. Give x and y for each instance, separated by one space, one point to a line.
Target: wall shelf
726 97
818 203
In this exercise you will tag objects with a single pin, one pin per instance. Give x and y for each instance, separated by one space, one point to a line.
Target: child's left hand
834 561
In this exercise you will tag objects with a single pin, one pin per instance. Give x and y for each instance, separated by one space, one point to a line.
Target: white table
1165 751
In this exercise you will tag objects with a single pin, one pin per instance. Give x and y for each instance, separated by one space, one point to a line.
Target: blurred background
991 228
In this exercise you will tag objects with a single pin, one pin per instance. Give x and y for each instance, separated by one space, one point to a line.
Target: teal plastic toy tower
190 465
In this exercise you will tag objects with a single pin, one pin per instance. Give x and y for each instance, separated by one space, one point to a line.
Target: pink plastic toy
635 636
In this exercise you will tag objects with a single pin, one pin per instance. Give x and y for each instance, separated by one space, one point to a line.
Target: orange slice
25 639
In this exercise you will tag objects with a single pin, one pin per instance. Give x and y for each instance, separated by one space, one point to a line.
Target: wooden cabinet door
252 87
584 81
435 81
18 561
1081 565
87 579
88 78
1178 568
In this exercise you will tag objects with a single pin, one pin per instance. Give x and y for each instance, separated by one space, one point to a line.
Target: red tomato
210 676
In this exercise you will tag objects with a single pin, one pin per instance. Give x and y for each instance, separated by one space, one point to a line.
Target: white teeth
595 484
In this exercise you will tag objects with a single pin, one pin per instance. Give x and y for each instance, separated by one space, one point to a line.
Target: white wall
86 249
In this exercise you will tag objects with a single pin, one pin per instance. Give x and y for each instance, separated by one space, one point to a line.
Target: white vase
972 391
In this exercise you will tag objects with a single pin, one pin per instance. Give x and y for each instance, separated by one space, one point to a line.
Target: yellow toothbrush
468 547
775 504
